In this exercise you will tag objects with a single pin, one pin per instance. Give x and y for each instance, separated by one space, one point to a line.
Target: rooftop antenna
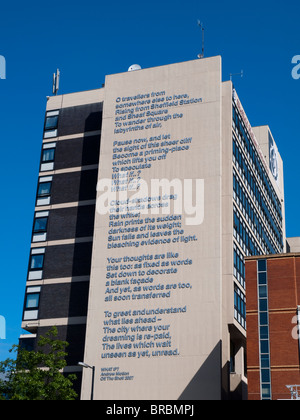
237 74
202 30
56 77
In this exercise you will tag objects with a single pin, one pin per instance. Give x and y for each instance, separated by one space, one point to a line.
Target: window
264 346
44 189
48 155
40 225
264 333
262 278
262 265
266 391
32 301
262 291
263 305
265 361
51 124
263 318
37 262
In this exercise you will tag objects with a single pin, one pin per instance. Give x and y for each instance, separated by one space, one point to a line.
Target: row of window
35 272
243 236
264 343
270 245
256 163
239 266
256 195
247 210
39 233
245 164
239 306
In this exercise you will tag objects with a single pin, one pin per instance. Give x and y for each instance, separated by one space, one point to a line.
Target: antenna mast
237 74
202 30
56 77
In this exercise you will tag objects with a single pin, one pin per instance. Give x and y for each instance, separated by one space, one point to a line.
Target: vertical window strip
263 329
240 306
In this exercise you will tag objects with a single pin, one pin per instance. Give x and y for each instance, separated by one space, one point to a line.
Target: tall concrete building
293 244
146 280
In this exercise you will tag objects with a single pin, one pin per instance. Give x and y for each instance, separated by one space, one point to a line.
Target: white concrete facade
184 337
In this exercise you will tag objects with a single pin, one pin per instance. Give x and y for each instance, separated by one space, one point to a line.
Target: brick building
273 299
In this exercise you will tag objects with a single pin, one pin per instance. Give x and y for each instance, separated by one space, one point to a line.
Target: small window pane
36 262
265 361
263 305
263 318
48 155
32 301
264 346
265 375
266 391
264 333
262 278
51 123
40 225
262 265
263 292
44 189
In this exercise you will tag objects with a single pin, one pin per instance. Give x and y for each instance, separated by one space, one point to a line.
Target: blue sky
87 40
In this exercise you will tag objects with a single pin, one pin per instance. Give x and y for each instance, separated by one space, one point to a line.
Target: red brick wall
281 283
284 296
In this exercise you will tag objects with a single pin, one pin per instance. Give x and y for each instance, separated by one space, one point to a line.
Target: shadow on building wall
213 383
